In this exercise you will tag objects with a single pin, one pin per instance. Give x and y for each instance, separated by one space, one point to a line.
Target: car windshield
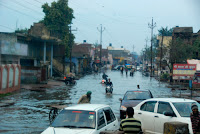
137 95
184 108
75 119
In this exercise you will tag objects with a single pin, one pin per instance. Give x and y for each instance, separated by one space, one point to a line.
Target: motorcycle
69 81
109 89
103 81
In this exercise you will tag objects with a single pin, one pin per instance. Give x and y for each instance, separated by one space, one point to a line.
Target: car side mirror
169 114
120 99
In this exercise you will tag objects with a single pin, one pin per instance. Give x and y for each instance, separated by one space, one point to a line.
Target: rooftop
183 30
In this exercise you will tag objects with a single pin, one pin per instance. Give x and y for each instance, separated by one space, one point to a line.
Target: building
120 55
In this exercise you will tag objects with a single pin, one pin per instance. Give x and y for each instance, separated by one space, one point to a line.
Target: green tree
21 30
165 31
196 49
179 52
57 19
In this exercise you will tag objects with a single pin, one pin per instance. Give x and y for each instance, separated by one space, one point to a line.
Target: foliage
196 49
21 30
57 19
165 76
165 31
179 51
147 50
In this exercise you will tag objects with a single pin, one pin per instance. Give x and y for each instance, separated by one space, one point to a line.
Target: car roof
172 99
143 90
87 107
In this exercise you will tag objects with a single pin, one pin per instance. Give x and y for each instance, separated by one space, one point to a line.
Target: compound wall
10 75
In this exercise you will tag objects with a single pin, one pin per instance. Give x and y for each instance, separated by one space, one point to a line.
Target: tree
21 30
196 49
179 52
165 31
57 19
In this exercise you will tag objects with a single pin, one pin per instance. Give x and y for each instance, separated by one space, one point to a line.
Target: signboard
183 71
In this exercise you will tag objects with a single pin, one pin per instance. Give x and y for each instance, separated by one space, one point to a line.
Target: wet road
29 114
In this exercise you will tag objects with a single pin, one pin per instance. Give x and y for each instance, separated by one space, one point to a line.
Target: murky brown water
29 114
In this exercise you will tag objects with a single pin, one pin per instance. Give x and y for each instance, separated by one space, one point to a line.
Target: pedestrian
138 86
130 125
195 118
85 98
126 69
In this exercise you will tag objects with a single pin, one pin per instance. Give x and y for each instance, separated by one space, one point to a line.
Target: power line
26 7
19 12
38 1
32 4
6 27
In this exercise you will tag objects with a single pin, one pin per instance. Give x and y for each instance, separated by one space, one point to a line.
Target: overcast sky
125 21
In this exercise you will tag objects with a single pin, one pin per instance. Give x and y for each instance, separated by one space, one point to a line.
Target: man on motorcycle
104 76
109 85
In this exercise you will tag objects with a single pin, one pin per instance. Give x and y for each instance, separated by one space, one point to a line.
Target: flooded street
29 114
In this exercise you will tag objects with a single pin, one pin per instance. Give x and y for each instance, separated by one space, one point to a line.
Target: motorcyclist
110 84
104 76
70 77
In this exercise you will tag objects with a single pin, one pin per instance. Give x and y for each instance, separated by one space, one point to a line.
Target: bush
165 76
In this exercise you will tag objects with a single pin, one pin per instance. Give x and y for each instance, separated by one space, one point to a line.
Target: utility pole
70 46
152 26
101 31
161 50
146 40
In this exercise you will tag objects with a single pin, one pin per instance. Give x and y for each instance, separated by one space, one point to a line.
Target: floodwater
29 114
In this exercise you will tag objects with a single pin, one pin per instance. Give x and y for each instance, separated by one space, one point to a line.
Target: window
164 107
101 119
110 117
148 106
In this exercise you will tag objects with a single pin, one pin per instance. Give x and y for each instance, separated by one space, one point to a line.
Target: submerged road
29 114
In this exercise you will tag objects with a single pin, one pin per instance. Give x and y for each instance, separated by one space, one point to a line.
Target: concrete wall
9 78
31 75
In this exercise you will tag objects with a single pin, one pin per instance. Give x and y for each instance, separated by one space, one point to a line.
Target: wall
9 78
31 75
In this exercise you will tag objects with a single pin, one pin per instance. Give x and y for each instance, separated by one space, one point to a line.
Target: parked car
84 119
132 98
153 113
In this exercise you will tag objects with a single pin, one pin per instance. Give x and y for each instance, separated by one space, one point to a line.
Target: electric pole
101 31
152 26
161 50
146 40
70 46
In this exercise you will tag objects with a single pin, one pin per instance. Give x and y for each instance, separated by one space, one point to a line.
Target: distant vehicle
84 119
153 113
132 98
118 67
138 68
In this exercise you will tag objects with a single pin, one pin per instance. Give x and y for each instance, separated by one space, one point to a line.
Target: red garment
195 122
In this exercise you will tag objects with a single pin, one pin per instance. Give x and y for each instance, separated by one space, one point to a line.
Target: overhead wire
18 3
19 12
7 27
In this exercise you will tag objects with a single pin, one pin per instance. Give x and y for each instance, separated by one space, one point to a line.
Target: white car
153 113
84 119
